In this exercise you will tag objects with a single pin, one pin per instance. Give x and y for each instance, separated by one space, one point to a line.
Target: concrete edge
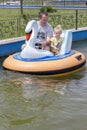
11 40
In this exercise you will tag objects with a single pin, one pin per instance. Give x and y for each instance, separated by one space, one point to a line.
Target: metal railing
65 2
46 2
10 28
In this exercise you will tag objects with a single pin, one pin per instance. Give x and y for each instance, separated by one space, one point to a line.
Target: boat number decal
79 57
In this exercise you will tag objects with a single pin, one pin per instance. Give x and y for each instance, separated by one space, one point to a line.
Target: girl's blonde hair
58 27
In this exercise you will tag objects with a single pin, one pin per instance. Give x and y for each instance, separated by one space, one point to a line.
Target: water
44 103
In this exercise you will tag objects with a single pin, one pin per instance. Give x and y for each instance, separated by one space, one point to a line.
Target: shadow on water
34 86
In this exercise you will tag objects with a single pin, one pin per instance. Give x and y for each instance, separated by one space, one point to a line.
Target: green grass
15 13
13 25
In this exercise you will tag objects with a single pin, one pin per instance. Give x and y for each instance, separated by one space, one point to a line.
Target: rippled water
44 103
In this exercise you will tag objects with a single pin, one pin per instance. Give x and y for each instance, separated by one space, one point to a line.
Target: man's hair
41 14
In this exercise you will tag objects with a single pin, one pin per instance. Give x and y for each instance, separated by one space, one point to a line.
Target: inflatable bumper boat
42 62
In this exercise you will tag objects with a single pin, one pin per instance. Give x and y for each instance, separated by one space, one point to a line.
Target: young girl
56 41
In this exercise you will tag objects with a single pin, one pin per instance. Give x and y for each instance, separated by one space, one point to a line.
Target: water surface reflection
38 103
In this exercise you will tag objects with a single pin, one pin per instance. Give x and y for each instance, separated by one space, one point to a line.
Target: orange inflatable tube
60 66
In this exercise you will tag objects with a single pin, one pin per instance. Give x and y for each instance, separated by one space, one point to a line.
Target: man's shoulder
48 24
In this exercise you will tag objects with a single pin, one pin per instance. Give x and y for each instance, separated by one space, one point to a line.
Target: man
45 31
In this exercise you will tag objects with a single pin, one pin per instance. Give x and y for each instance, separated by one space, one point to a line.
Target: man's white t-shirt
44 32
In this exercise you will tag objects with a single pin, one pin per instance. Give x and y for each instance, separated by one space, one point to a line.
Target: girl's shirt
56 43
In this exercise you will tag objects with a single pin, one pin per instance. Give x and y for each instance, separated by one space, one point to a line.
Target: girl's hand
55 48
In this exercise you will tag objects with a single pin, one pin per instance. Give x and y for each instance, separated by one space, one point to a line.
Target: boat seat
67 42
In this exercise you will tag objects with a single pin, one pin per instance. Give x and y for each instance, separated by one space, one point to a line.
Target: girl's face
57 33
